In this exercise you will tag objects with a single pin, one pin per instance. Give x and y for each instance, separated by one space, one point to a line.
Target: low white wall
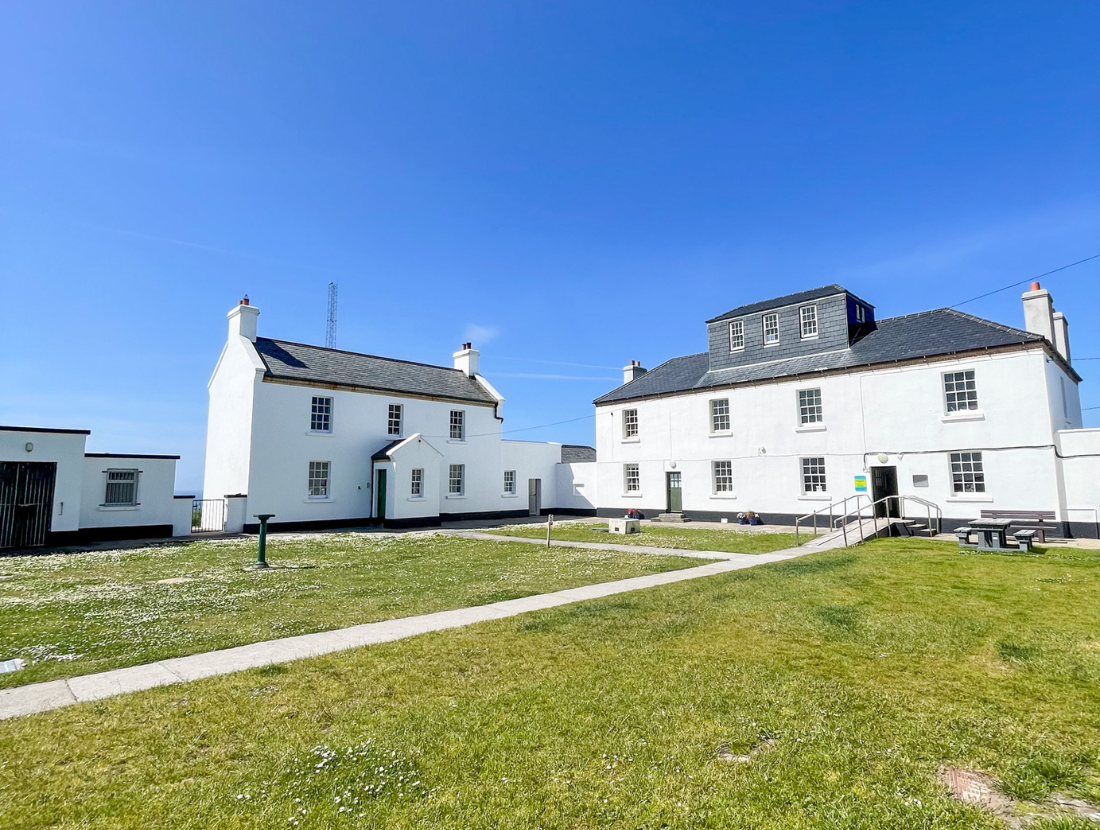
236 513
155 492
181 510
576 486
1080 450
530 459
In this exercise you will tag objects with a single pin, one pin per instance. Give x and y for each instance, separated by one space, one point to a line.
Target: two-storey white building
327 438
806 399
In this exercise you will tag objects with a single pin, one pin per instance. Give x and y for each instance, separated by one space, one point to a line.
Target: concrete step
672 518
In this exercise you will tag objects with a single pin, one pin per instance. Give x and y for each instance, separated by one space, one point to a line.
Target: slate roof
927 334
297 362
384 453
779 302
576 453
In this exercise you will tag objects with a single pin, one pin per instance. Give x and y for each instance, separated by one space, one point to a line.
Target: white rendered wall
181 515
417 454
155 494
1080 449
229 420
530 459
898 412
576 486
66 449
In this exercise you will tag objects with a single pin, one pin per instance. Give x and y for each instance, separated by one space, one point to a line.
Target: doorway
534 496
26 502
884 482
675 493
380 495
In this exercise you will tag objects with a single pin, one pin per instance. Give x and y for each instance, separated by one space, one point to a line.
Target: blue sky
564 183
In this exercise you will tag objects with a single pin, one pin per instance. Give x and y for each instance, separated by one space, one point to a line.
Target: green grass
73 614
868 668
684 538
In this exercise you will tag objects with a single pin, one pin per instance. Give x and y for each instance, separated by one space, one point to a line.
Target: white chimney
1039 312
466 359
633 371
242 320
1061 335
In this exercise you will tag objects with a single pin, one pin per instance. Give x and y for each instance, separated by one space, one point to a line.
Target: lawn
684 538
860 671
72 614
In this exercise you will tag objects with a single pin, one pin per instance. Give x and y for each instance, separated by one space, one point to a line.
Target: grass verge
684 538
70 614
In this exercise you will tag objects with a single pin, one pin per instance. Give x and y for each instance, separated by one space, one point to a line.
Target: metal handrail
820 511
858 514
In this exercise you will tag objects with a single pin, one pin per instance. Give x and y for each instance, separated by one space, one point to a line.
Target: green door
381 495
675 494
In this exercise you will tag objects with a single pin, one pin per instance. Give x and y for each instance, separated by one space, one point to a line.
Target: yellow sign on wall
861 484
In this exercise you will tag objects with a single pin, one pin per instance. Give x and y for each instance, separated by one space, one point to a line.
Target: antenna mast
330 333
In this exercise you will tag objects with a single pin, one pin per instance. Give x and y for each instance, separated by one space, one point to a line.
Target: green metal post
261 554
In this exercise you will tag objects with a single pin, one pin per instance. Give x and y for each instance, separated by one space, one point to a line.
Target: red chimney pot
1035 286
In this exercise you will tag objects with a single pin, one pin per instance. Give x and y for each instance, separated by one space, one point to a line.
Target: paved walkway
42 697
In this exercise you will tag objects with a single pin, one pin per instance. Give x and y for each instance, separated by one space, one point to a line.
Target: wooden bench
1041 521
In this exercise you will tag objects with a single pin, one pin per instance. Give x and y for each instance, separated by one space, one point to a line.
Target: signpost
261 554
549 524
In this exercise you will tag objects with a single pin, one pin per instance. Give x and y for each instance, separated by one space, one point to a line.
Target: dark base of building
409 523
91 535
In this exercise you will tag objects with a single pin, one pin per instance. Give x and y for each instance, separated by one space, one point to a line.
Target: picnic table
992 535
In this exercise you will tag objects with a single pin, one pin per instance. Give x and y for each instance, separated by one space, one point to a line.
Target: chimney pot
633 371
242 320
245 300
1035 286
466 359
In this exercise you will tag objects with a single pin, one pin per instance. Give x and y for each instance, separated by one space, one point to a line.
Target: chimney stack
1039 312
633 371
466 359
242 320
1061 335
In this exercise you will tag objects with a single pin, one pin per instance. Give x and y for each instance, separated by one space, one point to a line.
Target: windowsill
326 500
725 433
630 440
769 345
816 427
632 495
112 508
723 495
454 497
977 499
972 415
809 337
416 498
735 351
456 440
325 432
815 497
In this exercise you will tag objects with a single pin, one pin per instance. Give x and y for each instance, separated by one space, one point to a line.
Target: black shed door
26 502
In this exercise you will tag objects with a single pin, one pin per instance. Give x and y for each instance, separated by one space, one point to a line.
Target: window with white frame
121 488
771 329
318 479
737 335
393 419
320 418
632 481
416 483
510 482
723 476
456 479
808 316
861 313
630 423
458 424
960 391
809 406
720 415
967 473
813 475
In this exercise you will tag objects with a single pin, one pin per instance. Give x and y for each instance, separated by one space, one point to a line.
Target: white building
327 438
804 400
54 493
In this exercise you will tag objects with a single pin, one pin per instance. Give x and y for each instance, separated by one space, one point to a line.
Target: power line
1029 279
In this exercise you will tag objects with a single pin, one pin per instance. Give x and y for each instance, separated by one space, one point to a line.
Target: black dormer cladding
837 327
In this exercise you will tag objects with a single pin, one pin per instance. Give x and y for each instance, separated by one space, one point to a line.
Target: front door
26 502
675 494
884 482
534 496
380 495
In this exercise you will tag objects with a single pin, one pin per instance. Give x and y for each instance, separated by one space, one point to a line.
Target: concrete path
42 697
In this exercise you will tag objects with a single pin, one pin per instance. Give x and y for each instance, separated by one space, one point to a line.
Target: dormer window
808 316
771 329
861 313
737 336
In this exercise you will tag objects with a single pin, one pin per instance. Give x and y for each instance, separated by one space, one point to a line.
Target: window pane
456 479
458 424
417 484
808 315
320 419
318 479
813 475
630 423
393 425
771 328
967 472
121 487
720 415
809 406
737 335
723 476
960 391
631 478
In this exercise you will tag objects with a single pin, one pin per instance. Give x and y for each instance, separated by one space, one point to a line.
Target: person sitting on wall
633 514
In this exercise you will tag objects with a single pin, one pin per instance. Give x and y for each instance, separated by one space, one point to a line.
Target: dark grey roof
46 429
577 453
779 302
928 334
295 361
384 453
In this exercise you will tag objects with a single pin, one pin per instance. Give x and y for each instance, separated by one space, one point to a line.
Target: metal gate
208 516
26 502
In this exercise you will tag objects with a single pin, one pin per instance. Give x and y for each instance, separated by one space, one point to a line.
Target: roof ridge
654 369
364 354
991 323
